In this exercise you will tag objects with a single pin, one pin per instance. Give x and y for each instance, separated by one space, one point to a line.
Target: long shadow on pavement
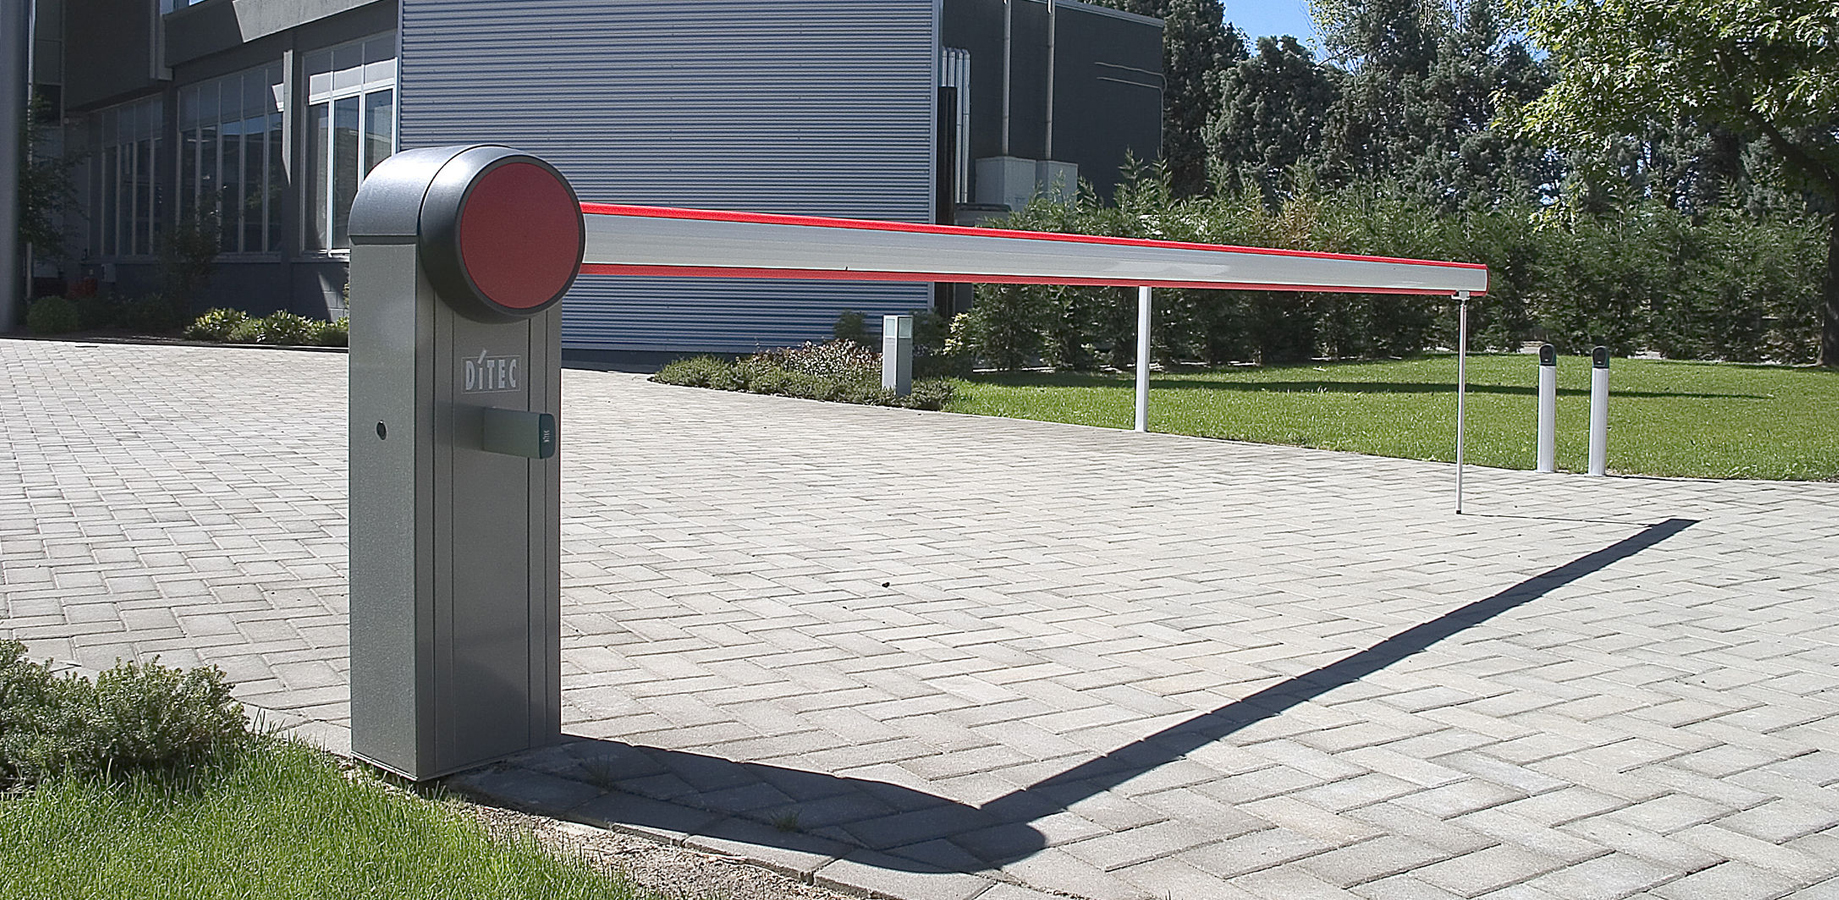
816 817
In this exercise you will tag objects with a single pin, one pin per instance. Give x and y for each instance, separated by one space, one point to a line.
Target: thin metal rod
1008 65
1462 386
1052 53
1143 317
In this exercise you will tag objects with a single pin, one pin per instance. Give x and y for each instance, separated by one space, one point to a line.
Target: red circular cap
520 236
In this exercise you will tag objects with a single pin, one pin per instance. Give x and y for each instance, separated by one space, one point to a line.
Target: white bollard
1462 388
1143 317
1599 411
1548 409
897 354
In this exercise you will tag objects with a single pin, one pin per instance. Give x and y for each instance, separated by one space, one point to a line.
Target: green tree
1272 111
1767 69
1423 86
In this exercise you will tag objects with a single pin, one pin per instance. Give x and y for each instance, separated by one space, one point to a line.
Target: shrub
932 393
850 326
52 315
216 325
699 371
152 314
335 334
248 331
95 311
838 371
134 718
281 328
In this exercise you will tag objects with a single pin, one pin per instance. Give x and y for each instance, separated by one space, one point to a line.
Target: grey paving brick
1670 709
1725 880
1616 875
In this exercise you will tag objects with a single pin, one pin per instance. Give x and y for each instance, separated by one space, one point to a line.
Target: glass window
229 157
129 201
319 200
350 127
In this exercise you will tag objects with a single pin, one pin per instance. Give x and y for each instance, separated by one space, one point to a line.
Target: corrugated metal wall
821 107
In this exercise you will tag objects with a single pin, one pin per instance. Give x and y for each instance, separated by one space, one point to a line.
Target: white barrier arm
640 240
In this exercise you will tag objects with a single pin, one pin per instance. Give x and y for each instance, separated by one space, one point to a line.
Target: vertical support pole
15 84
1548 409
1008 66
1462 386
1143 317
897 354
1052 57
1599 411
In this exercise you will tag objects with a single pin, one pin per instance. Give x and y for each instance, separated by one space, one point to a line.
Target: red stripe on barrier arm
716 215
962 278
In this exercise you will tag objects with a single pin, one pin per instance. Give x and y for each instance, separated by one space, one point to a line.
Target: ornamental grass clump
134 719
837 371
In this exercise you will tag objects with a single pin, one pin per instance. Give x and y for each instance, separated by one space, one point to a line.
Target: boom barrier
460 257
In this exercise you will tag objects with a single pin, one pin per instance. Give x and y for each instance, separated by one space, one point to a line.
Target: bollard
459 258
1599 411
1145 303
1548 409
897 354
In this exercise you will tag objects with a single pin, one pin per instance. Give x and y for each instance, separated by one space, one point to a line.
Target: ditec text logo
485 374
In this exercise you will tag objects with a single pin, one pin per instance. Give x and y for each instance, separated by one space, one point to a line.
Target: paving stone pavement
938 656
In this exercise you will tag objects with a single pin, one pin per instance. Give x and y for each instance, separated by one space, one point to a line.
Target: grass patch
282 821
1709 420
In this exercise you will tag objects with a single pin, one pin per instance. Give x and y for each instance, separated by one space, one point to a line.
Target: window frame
353 72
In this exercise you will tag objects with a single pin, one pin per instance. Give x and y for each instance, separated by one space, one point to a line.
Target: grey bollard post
1548 409
1599 411
459 257
897 354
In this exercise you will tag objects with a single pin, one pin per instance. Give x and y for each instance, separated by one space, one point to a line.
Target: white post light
1462 386
1143 316
1599 411
1548 409
897 354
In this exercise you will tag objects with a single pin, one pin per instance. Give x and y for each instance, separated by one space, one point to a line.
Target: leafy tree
46 189
1273 107
1766 69
1423 87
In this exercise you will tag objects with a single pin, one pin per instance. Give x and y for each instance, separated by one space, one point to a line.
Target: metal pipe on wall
1052 52
1008 65
15 82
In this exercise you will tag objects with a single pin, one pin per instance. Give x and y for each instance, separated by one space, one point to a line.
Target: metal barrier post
1143 319
897 354
1599 411
1548 409
459 258
1462 386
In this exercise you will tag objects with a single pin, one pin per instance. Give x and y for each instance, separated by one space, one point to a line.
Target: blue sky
1273 17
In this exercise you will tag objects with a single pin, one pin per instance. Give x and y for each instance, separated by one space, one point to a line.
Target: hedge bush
215 324
281 328
842 371
1726 285
52 315
133 718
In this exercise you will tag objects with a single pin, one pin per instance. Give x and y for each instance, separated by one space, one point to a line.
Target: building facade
260 118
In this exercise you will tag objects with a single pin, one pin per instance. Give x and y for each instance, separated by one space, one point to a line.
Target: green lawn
1666 418
285 822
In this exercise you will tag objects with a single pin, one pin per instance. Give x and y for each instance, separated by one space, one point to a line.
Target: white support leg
1143 316
1462 386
